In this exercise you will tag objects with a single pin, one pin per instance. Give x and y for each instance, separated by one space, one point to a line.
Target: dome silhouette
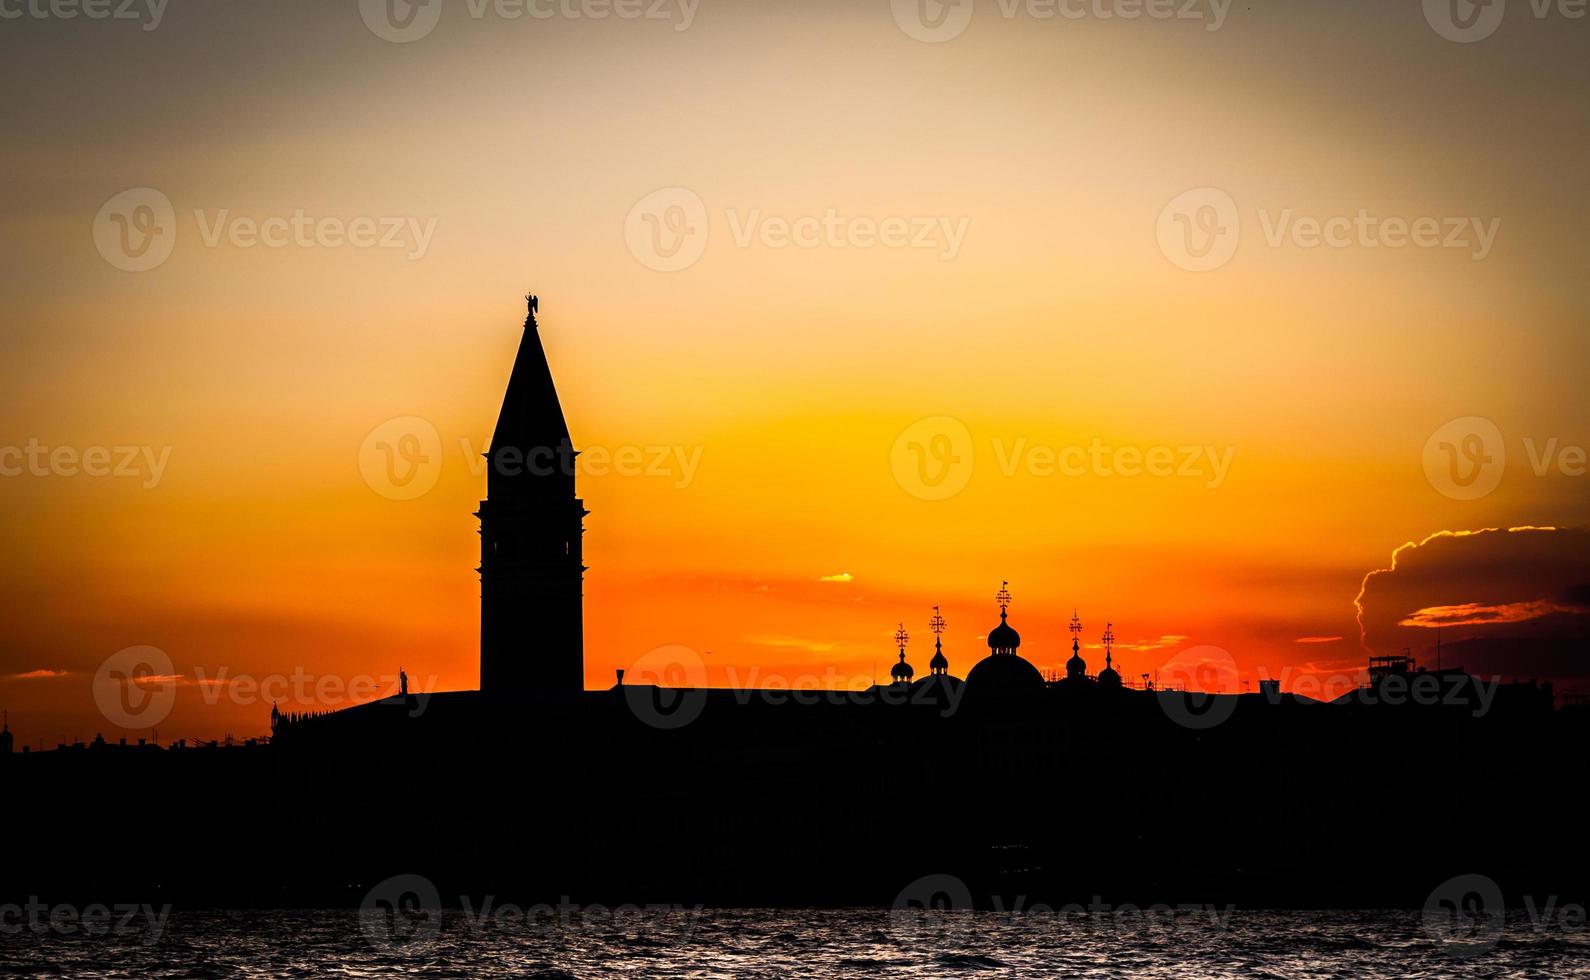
1004 673
1003 638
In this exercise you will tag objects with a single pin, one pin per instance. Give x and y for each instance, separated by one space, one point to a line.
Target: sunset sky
774 390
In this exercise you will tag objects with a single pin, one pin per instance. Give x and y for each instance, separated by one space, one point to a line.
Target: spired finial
900 638
1003 598
1109 641
1076 630
936 624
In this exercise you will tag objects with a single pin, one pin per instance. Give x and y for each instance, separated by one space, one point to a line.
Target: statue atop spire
534 303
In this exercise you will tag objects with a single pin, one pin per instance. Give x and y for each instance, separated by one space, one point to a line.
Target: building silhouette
532 788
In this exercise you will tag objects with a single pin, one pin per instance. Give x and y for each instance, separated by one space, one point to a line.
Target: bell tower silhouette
532 632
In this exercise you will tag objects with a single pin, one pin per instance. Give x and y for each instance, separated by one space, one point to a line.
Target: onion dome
901 672
1076 667
1003 638
1109 677
939 664
1003 670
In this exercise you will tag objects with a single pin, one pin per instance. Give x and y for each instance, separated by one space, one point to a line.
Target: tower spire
531 525
939 664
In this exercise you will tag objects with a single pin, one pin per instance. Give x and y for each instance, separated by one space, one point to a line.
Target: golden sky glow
765 388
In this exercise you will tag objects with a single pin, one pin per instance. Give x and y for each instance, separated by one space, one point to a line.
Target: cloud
1165 642
841 577
792 643
41 674
1475 614
1521 595
1317 639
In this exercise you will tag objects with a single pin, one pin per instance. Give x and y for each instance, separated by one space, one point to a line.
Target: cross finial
1076 622
1109 640
936 624
1003 598
900 638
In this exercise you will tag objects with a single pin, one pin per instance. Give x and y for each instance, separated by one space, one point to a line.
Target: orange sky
780 382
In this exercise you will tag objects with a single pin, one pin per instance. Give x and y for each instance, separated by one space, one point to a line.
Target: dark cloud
1511 602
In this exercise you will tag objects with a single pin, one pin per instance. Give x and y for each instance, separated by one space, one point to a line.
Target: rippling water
691 943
